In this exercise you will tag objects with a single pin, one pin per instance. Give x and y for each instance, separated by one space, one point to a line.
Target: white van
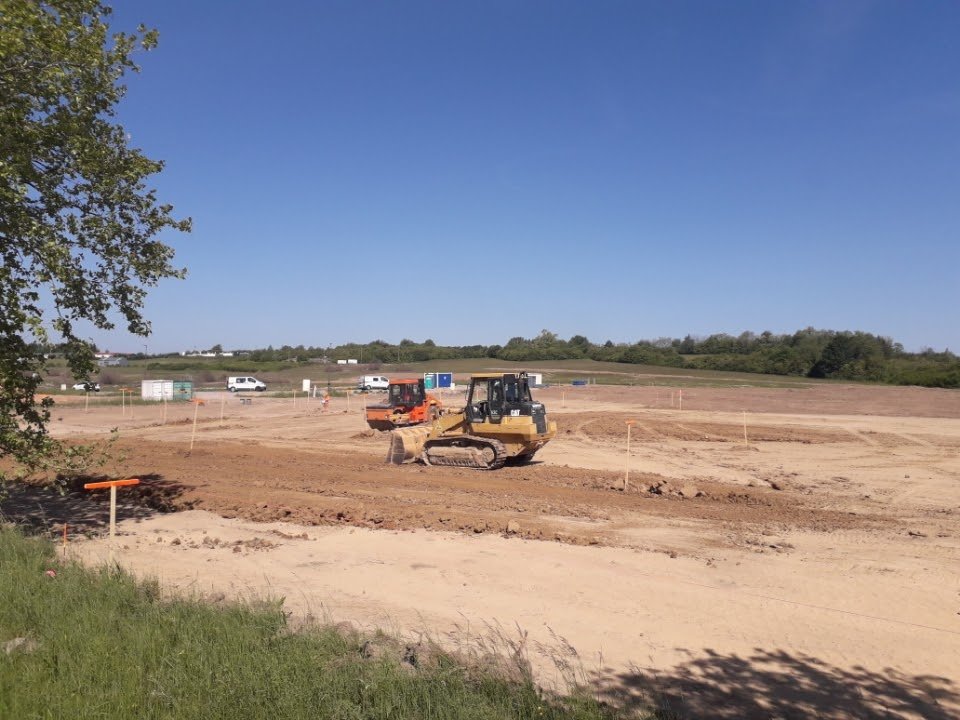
245 382
373 382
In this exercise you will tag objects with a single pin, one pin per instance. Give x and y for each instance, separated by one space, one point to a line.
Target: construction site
709 544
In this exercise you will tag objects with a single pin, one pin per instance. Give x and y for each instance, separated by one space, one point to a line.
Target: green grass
211 373
608 373
111 647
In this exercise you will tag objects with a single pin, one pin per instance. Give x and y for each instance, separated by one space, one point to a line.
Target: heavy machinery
501 422
408 403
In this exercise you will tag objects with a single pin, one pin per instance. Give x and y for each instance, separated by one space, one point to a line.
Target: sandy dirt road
812 568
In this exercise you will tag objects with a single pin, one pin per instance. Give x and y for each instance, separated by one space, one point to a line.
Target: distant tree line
841 355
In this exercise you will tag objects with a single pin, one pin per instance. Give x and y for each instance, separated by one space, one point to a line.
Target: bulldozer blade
406 444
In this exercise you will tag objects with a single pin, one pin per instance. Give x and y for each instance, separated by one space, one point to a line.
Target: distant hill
843 355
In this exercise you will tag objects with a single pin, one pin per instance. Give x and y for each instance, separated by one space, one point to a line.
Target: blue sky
472 171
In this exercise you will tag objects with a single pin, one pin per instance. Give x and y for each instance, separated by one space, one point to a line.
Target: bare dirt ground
777 552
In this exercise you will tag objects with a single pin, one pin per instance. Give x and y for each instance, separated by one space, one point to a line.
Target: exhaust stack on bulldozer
500 423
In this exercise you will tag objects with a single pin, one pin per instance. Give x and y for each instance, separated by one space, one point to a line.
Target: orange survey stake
110 483
113 485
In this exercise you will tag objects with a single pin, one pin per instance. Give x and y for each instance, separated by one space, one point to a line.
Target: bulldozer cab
492 397
409 393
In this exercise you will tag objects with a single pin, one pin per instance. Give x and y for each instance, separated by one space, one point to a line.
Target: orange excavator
408 403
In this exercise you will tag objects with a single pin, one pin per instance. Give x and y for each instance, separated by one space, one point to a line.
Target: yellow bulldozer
500 423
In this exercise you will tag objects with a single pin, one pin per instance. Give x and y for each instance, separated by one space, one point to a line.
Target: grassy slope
109 647
288 376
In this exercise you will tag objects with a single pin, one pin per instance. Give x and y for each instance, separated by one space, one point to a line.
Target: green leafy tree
852 356
579 345
78 222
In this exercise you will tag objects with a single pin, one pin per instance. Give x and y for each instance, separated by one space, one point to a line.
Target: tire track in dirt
265 483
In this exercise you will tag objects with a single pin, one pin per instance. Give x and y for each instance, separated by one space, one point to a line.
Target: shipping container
432 381
183 390
157 390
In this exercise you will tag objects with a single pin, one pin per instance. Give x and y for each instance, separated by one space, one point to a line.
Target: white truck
372 382
245 382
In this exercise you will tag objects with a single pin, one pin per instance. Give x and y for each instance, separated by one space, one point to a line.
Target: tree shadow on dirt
783 686
44 508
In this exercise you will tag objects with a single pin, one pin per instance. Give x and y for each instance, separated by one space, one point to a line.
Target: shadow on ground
44 508
784 686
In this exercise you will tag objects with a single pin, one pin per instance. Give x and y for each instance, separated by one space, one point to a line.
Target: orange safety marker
113 485
626 476
110 483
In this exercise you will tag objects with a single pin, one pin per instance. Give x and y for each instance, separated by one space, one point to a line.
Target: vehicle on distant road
372 382
87 386
245 382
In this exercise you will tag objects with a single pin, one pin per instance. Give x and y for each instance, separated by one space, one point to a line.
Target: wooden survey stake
196 410
113 485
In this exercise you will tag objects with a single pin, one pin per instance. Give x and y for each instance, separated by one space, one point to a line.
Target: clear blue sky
472 171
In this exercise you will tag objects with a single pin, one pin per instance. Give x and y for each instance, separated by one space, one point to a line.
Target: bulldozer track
468 460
